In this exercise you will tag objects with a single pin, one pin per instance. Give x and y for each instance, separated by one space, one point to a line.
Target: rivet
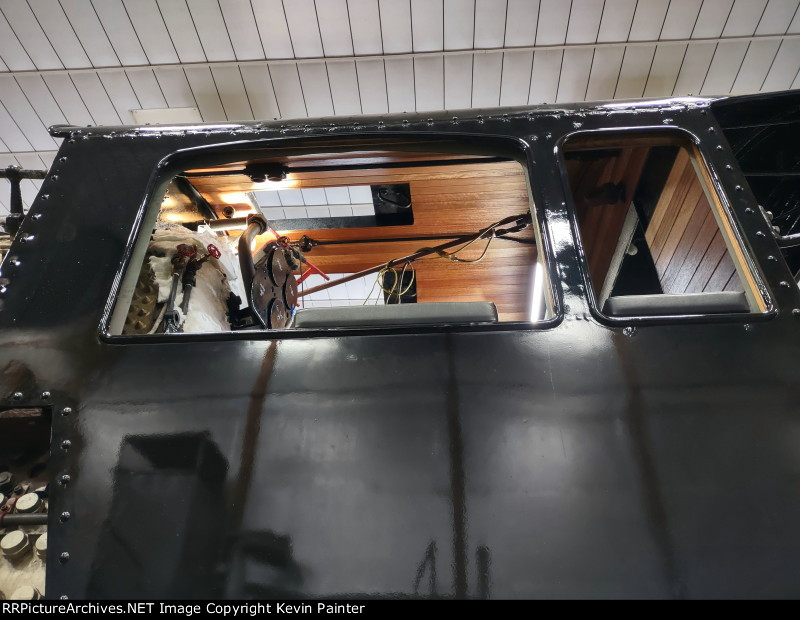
54 177
728 167
62 158
65 445
760 233
64 517
748 327
26 238
534 137
64 479
703 111
45 395
748 210
629 331
16 396
711 130
548 135
771 258
37 216
719 147
44 196
739 188
785 284
66 411
64 597
577 125
64 557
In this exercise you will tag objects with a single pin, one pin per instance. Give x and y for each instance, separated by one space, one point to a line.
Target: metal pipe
256 225
21 173
15 175
412 257
233 223
788 241
8 520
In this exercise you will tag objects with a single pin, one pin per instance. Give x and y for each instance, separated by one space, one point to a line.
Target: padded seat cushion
437 313
689 303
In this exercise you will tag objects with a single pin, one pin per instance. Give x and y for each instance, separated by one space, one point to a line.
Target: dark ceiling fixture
259 173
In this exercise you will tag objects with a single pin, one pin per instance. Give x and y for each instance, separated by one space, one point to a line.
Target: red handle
214 251
184 249
312 268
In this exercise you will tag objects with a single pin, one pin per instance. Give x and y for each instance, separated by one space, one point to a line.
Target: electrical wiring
397 280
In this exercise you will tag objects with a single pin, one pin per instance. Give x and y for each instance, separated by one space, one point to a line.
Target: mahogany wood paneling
684 238
456 200
600 221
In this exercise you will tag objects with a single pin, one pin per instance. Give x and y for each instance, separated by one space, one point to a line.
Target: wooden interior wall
684 237
601 222
455 200
177 207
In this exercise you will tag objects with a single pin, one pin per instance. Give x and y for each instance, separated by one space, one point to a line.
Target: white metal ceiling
93 61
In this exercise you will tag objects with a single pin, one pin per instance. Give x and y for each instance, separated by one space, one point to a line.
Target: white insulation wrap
207 310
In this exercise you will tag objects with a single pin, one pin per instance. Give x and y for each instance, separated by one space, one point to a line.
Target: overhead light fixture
260 173
166 116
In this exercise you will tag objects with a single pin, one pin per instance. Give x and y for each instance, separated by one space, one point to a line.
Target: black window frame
739 235
223 153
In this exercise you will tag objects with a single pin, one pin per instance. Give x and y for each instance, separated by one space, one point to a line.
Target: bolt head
64 557
66 411
45 395
64 516
66 444
64 479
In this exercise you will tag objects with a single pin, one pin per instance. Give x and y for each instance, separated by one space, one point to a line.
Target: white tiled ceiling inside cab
94 61
320 202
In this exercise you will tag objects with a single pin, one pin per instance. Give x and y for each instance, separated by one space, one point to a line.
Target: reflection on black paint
428 565
263 567
167 514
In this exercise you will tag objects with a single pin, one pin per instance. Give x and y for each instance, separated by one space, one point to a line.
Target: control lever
184 270
189 279
171 322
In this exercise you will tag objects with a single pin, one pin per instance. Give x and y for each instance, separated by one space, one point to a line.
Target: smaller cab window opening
656 238
341 239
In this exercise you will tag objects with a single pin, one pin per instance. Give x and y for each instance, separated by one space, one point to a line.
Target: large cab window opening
657 239
338 239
